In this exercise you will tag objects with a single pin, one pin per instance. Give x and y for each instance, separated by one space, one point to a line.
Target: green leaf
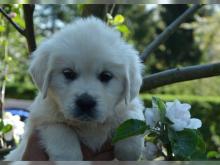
80 7
1 124
7 128
159 104
213 155
118 19
129 128
2 28
123 29
19 20
187 144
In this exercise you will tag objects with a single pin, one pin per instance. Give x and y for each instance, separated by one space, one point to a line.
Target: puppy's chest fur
93 135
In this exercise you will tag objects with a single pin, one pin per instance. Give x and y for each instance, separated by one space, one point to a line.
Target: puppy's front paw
61 142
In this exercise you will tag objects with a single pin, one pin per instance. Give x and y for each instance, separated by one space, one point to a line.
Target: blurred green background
197 41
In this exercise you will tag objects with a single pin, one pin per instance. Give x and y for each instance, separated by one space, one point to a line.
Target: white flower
150 151
17 126
151 116
180 116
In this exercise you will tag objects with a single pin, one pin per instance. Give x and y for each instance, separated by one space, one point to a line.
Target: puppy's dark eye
105 76
69 74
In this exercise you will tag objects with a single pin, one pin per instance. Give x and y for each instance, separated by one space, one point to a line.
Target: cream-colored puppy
89 79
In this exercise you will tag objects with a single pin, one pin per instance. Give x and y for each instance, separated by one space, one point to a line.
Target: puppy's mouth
85 116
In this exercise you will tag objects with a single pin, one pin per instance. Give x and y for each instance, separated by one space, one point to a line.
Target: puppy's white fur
89 47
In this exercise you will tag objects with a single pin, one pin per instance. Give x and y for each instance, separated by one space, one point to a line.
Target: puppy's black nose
85 102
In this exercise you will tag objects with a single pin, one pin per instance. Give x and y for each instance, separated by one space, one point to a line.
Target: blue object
23 113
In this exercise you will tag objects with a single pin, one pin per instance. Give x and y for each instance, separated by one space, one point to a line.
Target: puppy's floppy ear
40 70
133 79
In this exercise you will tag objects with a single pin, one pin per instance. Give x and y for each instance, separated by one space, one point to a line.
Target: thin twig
168 31
5 73
180 74
112 9
16 26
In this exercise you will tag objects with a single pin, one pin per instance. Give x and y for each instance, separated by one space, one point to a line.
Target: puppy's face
86 87
87 70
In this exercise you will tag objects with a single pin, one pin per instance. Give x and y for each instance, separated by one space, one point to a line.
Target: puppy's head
88 70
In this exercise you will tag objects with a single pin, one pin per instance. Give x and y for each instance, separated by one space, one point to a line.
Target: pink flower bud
12 14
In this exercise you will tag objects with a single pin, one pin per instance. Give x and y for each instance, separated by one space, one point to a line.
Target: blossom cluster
167 119
17 127
177 112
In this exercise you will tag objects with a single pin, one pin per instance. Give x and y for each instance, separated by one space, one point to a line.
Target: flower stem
169 156
167 145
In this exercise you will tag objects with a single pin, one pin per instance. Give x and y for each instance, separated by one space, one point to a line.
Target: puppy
88 79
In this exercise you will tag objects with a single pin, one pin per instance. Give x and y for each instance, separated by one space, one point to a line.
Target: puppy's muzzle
85 103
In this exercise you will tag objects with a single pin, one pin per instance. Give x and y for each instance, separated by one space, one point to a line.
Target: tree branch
29 26
168 31
28 32
16 26
180 74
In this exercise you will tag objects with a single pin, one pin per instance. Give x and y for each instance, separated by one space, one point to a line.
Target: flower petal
8 136
171 113
194 123
169 104
183 114
186 106
149 117
179 125
156 115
